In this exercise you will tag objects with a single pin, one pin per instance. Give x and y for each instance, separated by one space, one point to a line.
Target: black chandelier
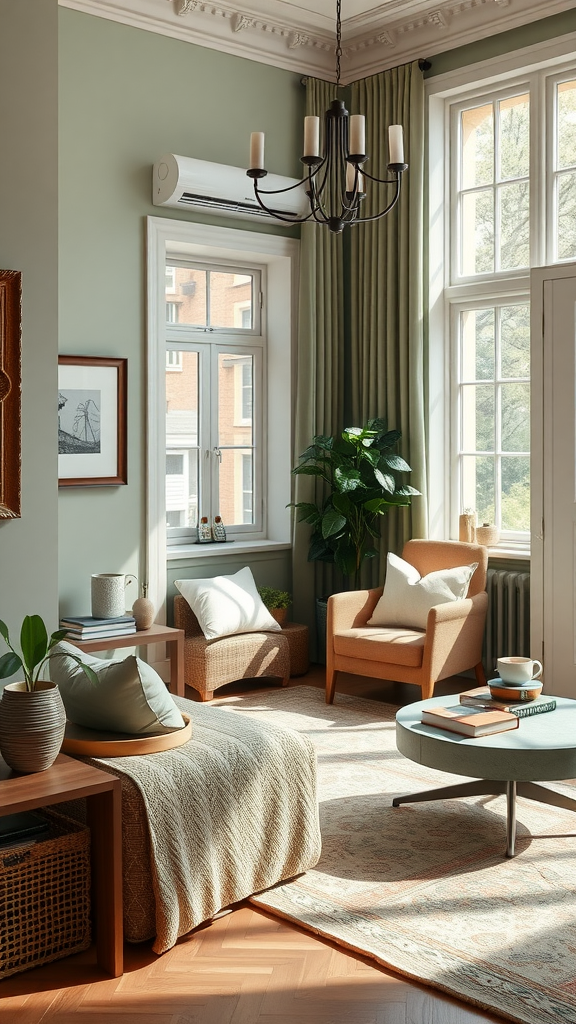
335 180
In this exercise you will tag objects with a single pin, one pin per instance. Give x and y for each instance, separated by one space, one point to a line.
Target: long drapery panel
319 373
387 367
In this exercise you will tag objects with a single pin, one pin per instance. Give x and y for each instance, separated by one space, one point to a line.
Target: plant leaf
347 479
308 471
396 462
9 664
332 522
56 637
407 489
4 631
33 641
386 480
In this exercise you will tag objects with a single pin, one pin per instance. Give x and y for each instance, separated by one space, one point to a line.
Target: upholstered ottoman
207 824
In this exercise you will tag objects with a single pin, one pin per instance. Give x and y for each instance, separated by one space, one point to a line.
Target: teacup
518 670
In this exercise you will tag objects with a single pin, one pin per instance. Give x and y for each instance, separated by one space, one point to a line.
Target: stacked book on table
479 714
86 627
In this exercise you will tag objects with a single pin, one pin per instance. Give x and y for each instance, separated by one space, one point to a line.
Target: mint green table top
543 748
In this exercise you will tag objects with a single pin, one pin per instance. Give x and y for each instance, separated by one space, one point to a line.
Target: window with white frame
511 161
214 407
219 429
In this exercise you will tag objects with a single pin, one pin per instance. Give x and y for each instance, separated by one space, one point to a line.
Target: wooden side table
173 638
68 779
297 637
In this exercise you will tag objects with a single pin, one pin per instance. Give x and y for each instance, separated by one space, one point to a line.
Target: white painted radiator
508 618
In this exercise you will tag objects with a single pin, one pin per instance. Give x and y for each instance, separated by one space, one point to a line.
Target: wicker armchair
209 664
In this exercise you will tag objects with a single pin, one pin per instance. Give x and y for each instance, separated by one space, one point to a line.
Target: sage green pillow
130 696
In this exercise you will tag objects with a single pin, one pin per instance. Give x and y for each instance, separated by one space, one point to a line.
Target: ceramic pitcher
108 597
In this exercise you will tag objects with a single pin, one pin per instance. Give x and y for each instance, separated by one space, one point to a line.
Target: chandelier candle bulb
357 145
350 176
311 136
396 144
257 150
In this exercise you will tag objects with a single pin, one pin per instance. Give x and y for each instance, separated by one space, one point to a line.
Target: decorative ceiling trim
391 34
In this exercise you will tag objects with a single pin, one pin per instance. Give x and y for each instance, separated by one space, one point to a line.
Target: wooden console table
68 779
173 638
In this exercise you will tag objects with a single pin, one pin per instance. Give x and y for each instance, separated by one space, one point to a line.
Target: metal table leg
510 818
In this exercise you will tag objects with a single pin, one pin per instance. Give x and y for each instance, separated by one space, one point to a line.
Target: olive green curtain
319 373
387 366
360 351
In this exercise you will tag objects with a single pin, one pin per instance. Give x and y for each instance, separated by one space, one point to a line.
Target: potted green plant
359 468
276 601
32 716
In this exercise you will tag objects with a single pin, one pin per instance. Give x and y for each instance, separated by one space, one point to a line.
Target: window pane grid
494 187
494 414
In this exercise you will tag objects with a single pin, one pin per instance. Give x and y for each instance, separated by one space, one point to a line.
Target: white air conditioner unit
187 183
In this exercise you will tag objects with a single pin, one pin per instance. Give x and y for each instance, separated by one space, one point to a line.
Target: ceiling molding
302 40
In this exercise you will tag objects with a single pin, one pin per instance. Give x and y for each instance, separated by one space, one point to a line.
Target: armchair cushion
393 646
408 597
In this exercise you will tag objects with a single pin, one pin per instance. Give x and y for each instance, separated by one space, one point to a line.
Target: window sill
509 553
199 552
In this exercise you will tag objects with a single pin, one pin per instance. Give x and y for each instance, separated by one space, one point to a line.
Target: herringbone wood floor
245 968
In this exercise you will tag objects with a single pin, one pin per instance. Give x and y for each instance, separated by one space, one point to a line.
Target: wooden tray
93 743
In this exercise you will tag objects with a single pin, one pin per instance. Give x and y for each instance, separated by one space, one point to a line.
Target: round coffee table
543 748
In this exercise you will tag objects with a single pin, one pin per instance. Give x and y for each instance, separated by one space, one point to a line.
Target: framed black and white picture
92 393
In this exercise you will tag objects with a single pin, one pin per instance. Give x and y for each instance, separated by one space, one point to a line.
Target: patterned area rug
425 889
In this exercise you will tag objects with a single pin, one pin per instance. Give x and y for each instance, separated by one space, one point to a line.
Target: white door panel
553 579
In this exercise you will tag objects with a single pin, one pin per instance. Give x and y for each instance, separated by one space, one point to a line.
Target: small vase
143 611
487 535
467 527
32 724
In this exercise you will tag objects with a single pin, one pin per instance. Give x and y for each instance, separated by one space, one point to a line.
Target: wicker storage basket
45 896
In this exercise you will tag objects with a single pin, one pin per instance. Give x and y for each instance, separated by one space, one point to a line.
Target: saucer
515 691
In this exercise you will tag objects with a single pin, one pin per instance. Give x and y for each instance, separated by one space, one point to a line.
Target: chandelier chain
338 40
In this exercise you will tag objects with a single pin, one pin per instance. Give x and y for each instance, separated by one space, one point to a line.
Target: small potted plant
32 716
276 601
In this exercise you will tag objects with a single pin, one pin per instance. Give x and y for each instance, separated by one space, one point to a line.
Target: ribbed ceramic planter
31 726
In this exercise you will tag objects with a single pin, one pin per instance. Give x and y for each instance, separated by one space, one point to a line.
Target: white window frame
552 61
209 343
279 255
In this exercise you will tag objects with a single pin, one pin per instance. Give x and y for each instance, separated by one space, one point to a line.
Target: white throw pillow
227 604
408 597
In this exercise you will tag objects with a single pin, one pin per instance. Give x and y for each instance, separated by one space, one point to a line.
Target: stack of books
86 627
481 697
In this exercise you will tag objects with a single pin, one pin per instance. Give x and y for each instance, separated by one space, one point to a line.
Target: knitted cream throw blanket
230 813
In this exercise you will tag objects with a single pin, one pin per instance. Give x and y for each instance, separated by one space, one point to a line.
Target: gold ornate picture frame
10 392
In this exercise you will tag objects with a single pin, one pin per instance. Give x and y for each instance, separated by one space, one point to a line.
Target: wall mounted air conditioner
187 183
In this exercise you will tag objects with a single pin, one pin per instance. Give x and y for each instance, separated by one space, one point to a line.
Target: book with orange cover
471 721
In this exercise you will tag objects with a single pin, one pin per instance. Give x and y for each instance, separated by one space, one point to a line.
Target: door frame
541 495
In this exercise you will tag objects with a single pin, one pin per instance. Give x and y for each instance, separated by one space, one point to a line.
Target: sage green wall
505 42
28 242
126 97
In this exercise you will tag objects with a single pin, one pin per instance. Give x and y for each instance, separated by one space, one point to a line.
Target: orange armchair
451 642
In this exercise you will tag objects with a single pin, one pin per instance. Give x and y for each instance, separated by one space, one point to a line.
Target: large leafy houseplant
36 649
359 468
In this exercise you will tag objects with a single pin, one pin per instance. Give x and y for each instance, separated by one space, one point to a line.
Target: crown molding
302 41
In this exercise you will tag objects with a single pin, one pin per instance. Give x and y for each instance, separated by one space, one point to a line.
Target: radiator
508 618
